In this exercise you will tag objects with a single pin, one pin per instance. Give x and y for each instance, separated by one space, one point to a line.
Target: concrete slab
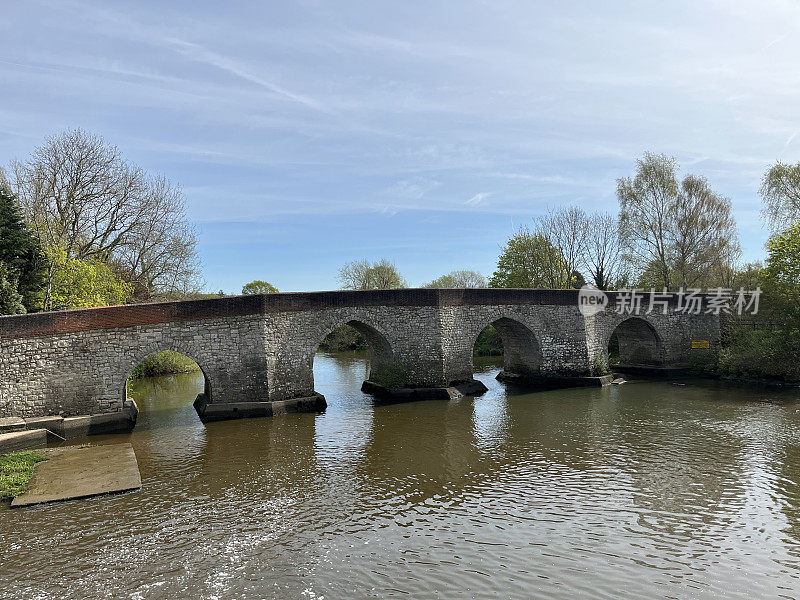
411 394
75 427
82 472
552 382
22 440
217 411
54 424
9 424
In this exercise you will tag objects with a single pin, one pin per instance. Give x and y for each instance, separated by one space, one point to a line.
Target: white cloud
477 199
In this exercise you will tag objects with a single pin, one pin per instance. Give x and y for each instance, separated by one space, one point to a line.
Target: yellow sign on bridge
700 344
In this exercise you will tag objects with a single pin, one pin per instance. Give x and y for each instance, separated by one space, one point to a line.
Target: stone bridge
257 352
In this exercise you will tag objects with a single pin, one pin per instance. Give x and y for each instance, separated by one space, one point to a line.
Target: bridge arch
381 352
141 357
637 343
522 351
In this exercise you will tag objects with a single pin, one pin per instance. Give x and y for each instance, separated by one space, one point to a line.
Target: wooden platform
81 472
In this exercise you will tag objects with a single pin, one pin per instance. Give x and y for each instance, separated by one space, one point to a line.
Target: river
644 490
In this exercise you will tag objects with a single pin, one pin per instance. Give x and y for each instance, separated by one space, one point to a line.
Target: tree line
671 233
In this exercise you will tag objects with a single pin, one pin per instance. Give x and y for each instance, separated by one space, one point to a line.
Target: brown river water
645 490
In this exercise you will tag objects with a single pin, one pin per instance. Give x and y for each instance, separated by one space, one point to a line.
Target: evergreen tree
10 298
20 253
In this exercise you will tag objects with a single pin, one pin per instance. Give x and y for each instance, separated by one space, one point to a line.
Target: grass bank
16 469
167 362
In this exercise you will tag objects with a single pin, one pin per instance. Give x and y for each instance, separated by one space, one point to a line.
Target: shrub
344 338
762 354
392 374
600 364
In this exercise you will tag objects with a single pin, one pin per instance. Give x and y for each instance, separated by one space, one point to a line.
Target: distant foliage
167 362
364 275
762 353
459 279
258 287
344 338
84 283
489 343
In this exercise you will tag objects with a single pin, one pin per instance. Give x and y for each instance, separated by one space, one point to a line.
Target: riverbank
167 362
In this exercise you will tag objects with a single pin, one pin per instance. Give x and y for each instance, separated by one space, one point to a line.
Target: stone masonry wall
261 348
85 372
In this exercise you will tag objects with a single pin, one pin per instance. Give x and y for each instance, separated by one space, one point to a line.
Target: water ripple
643 490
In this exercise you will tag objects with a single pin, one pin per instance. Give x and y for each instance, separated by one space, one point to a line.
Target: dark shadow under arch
381 355
636 343
522 353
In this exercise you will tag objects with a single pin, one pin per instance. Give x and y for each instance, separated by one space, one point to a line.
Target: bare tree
567 229
80 194
645 212
675 234
160 254
780 191
703 234
604 251
363 275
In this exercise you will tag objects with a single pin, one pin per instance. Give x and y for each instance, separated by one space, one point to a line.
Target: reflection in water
641 490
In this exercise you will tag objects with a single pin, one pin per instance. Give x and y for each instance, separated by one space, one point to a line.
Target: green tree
258 287
84 283
10 298
529 260
771 349
19 252
780 191
459 279
364 275
782 274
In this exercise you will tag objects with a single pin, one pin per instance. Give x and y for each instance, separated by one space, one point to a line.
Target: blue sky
308 134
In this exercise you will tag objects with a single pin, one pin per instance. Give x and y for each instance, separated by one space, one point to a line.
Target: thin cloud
199 53
477 199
